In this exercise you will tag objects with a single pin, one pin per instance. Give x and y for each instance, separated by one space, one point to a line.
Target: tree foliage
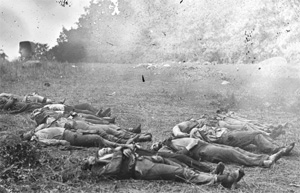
70 47
41 51
222 31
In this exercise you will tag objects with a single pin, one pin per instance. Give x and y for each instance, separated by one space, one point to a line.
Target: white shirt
55 107
50 133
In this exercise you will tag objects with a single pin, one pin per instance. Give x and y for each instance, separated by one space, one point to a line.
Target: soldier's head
156 146
104 151
100 160
27 135
88 163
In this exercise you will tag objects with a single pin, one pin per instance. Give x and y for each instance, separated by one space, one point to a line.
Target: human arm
177 130
193 132
199 133
107 143
40 127
5 95
232 126
90 131
185 147
51 136
55 107
54 142
114 166
193 142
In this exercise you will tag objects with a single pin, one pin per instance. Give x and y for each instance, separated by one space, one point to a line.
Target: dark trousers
227 154
180 159
243 139
90 140
147 169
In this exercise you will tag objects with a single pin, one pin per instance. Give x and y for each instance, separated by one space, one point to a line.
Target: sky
35 20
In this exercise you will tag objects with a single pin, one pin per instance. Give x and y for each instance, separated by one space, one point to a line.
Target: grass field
168 96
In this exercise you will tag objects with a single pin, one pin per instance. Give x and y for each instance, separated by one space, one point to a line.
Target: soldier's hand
118 148
127 152
65 143
157 159
130 146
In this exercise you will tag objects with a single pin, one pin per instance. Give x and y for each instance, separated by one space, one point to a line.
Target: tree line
220 31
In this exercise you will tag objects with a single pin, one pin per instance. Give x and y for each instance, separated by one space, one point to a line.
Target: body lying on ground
62 136
221 135
84 108
181 159
126 163
110 132
201 150
13 103
40 116
13 106
233 121
34 97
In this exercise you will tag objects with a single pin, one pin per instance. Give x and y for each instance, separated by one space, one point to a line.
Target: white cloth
55 107
50 133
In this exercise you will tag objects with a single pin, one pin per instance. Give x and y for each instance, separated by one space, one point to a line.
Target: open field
169 95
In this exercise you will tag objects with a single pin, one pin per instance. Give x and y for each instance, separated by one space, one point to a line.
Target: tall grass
17 71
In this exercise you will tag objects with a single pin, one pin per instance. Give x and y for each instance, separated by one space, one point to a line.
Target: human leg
243 139
99 121
121 133
96 120
137 129
227 154
104 113
146 169
89 140
239 139
86 106
266 144
188 161
113 130
112 138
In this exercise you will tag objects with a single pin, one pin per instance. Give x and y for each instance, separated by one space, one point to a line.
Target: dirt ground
169 94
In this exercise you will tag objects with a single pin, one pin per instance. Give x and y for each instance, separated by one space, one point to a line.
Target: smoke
35 20
272 83
153 31
13 27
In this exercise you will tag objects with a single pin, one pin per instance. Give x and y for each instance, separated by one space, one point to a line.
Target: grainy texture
168 96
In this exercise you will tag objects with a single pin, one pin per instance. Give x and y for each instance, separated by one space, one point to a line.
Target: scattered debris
47 84
147 66
112 94
225 82
295 185
190 67
152 66
267 104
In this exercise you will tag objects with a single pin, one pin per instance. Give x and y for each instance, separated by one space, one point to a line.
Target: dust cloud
153 31
272 83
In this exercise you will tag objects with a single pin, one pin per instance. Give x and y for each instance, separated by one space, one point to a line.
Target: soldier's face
104 151
156 146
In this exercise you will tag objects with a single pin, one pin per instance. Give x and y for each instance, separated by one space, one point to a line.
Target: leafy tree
70 47
222 31
41 51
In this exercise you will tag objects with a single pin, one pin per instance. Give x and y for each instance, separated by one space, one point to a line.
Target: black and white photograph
149 96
